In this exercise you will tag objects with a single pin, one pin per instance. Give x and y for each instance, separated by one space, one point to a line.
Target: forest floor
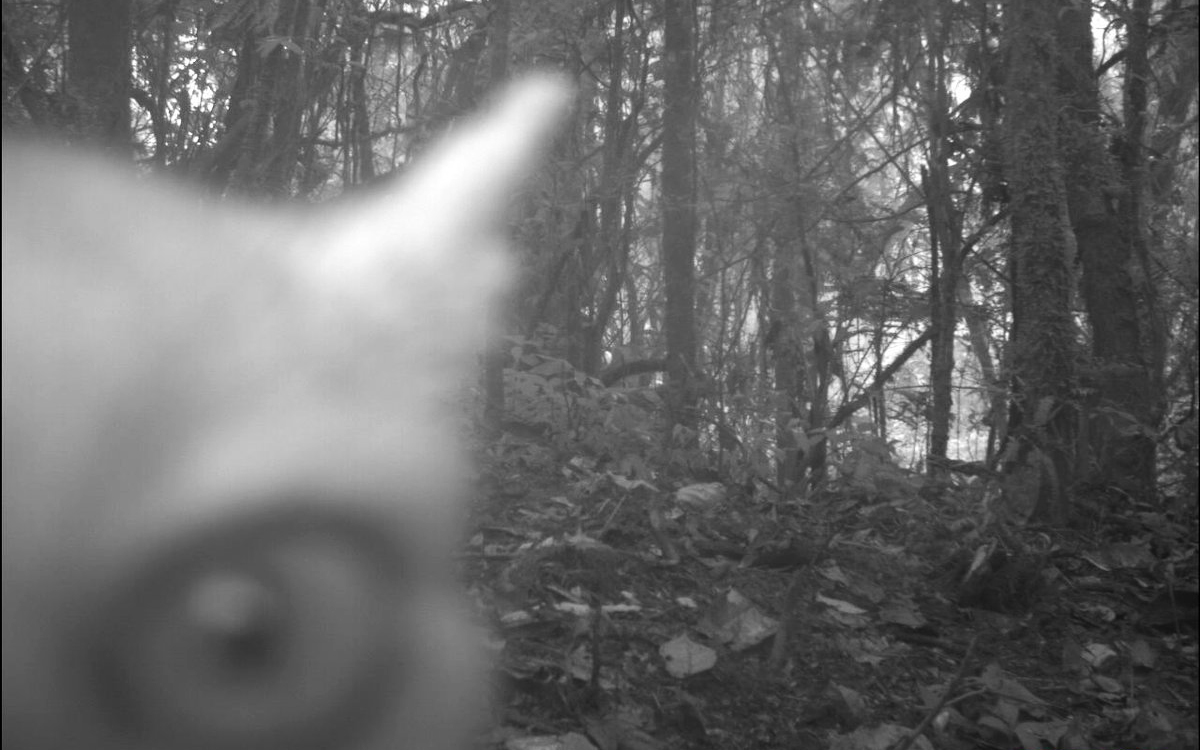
633 618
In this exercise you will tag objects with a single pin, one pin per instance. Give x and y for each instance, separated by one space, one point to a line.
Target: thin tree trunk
945 231
679 206
497 352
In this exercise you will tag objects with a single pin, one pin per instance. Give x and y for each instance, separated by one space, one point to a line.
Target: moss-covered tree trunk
1120 412
1039 462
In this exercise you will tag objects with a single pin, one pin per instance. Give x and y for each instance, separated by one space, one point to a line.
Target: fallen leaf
684 657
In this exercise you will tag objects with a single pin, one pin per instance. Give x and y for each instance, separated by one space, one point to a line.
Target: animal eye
272 634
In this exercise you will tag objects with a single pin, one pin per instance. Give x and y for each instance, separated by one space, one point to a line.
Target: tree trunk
614 181
1120 449
98 72
359 167
679 206
1039 461
945 233
497 351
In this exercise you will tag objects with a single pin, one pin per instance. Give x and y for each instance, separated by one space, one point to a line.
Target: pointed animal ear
429 247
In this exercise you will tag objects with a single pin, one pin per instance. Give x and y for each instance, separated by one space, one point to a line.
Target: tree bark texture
1106 220
679 204
1040 458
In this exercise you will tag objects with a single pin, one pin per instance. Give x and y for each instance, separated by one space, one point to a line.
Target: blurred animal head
230 492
